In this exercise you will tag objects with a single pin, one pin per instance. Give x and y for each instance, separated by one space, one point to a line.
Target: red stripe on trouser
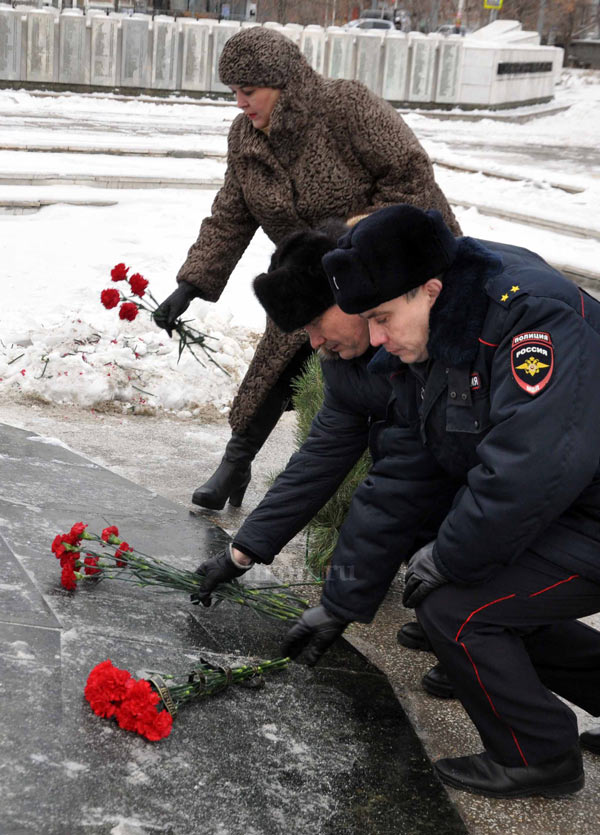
487 695
516 741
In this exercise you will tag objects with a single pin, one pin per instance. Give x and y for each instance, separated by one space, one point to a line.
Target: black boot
232 476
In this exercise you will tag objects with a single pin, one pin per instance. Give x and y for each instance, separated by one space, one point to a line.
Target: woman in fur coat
303 149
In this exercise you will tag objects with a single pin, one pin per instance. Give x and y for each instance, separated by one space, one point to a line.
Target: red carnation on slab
128 311
120 552
138 284
119 272
108 532
77 530
110 298
106 688
147 707
67 577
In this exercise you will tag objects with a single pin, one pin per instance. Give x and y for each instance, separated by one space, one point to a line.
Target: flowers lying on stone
131 305
136 703
115 559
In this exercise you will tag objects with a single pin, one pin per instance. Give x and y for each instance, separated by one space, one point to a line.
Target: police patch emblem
532 360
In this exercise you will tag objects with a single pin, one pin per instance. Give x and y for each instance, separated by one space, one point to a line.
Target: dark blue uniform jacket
504 417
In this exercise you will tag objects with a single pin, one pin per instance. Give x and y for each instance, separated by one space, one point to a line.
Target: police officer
495 361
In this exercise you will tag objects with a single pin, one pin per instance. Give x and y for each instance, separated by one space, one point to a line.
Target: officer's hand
317 629
422 577
218 569
174 305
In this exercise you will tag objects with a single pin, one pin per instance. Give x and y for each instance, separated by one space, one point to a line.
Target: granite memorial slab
422 77
165 53
104 39
74 59
325 750
395 66
339 61
42 25
369 50
195 73
135 51
11 36
448 71
312 46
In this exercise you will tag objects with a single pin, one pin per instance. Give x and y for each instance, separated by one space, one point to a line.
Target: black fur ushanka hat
295 290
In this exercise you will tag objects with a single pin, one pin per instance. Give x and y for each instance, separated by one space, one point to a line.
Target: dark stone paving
324 751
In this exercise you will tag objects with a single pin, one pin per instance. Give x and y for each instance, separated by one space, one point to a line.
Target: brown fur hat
296 290
259 57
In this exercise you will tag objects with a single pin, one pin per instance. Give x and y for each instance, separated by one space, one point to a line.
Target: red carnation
106 687
128 310
110 298
139 708
58 548
119 272
159 728
108 532
77 530
67 578
138 284
90 565
122 549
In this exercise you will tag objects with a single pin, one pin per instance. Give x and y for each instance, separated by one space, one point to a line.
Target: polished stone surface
324 751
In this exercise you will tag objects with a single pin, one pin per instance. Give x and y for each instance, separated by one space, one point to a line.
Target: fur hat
259 57
296 290
387 254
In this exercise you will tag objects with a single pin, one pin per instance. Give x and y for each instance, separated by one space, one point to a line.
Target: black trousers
506 644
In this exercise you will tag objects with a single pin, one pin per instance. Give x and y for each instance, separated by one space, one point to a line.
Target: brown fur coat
333 150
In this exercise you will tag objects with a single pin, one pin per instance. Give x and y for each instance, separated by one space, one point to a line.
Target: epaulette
504 288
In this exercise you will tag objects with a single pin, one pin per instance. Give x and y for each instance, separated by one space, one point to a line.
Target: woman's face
256 102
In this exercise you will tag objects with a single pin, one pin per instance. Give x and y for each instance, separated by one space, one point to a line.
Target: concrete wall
498 66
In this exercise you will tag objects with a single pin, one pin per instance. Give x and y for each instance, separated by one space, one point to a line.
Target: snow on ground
57 342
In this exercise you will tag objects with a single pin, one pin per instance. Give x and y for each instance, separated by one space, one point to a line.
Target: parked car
369 23
452 29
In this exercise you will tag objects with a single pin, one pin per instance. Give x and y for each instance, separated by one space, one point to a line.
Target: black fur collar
458 314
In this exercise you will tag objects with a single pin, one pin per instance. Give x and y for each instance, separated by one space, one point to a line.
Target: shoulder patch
532 360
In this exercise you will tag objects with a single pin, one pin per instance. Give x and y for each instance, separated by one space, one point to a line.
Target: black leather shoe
412 635
591 740
479 774
437 683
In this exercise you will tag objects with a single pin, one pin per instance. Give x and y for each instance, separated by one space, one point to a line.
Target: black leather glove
218 569
422 577
167 313
317 629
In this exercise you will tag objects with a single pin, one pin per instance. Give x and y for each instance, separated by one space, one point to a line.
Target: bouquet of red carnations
115 559
136 703
131 305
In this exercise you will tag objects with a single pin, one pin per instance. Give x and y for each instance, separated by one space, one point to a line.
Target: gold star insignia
504 297
514 288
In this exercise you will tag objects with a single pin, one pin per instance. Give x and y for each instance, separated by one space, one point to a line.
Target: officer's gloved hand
218 569
317 629
174 305
422 577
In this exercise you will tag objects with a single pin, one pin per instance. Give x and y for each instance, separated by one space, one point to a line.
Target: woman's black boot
233 474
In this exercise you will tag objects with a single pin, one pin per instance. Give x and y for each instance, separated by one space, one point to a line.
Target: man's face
401 325
338 334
